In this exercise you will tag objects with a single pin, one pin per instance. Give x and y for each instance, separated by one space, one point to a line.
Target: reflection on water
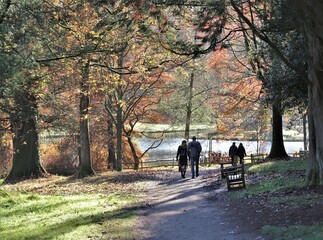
168 147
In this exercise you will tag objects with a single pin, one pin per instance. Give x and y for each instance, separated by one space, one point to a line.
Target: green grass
277 167
274 185
64 217
28 214
32 216
276 180
153 127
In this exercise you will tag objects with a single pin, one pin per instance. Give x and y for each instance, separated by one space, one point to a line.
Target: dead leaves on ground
102 183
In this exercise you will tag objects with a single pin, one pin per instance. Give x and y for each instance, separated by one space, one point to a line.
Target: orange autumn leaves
239 91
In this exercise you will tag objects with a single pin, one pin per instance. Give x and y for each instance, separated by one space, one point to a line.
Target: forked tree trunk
85 156
26 159
277 143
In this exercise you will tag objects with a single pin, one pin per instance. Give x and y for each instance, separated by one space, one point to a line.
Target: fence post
252 159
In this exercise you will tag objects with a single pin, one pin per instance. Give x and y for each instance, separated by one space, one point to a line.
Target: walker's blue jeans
196 162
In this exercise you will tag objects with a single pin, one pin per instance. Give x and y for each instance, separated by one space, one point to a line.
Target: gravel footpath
181 209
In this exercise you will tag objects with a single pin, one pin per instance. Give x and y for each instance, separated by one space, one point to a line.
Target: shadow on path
180 209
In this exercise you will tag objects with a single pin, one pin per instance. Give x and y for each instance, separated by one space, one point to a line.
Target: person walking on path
233 153
194 150
241 152
182 154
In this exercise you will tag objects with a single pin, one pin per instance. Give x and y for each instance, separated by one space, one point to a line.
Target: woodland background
77 76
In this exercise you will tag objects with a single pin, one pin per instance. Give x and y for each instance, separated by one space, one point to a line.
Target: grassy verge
61 208
270 177
278 167
276 182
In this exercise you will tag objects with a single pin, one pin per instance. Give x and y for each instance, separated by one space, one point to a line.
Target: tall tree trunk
85 156
189 108
119 127
26 159
111 148
313 170
310 13
277 143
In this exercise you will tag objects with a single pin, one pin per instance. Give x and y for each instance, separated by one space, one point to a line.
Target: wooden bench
235 177
222 164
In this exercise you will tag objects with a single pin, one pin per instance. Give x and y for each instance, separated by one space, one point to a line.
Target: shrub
60 157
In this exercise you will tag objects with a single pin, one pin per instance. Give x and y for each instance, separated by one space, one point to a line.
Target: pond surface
168 147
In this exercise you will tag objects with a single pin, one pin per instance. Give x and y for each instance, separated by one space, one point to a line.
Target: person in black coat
182 154
241 152
233 153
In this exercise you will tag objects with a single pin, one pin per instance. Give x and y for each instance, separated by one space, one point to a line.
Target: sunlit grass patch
99 207
295 232
278 167
32 216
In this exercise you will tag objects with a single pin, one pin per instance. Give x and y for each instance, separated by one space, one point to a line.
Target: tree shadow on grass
54 231
37 207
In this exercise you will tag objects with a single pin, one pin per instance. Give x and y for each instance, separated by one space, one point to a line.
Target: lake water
168 147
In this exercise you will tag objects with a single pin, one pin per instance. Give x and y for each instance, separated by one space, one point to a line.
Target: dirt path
179 209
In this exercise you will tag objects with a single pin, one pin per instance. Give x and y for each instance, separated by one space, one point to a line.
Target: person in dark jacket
182 154
233 153
241 152
194 151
